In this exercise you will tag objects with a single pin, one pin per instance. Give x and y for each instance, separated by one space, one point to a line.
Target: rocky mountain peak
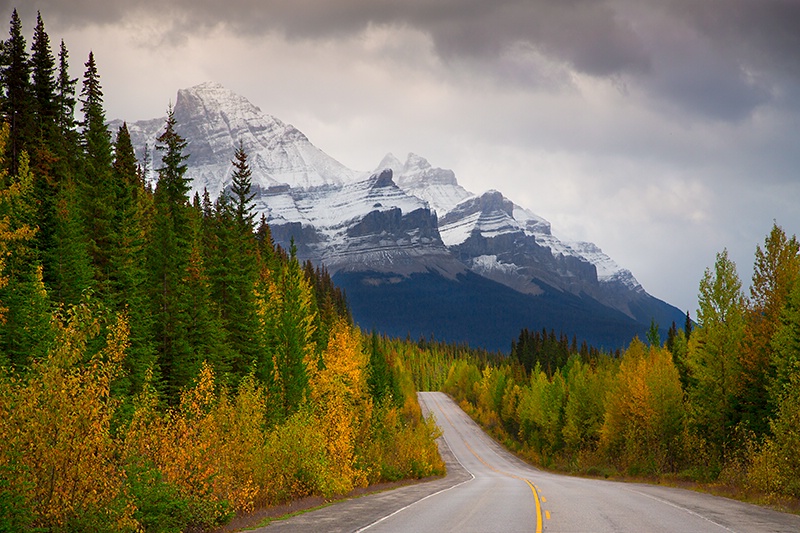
391 162
407 218
384 179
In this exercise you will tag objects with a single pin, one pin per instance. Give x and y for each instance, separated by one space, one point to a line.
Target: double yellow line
535 492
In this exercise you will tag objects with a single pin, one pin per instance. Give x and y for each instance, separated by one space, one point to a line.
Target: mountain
417 253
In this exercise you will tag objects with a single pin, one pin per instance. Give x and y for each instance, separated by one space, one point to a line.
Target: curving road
489 490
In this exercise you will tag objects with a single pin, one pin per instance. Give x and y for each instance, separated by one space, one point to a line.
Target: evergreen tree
96 185
49 154
287 318
653 335
68 270
65 95
127 281
172 181
687 326
241 183
43 66
380 380
18 106
231 252
169 255
206 336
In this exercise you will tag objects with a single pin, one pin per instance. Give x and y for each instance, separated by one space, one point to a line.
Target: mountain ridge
403 219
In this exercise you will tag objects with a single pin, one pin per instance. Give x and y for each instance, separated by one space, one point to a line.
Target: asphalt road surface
489 490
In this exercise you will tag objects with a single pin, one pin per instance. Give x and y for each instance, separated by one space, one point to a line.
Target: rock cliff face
510 245
402 220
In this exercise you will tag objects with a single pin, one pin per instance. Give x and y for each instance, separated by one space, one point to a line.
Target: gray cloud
740 53
765 33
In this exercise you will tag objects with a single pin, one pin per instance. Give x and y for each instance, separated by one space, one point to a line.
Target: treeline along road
487 489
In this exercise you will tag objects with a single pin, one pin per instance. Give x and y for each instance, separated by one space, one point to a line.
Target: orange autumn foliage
342 406
56 427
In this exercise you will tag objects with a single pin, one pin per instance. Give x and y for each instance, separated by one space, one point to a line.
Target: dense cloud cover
663 131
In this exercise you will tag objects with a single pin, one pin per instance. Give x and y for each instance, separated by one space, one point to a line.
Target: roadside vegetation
717 402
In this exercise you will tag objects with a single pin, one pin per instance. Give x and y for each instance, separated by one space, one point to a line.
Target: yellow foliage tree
342 405
56 425
645 412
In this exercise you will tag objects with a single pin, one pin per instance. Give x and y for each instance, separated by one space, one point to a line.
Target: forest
717 402
164 365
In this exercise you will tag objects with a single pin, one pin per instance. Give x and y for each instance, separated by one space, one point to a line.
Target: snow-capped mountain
211 118
377 231
418 178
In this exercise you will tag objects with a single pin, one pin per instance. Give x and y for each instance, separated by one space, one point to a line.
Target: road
489 490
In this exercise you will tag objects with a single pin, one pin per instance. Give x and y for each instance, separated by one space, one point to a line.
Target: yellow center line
507 474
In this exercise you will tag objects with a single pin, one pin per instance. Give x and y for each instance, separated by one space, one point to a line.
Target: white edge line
378 521
693 513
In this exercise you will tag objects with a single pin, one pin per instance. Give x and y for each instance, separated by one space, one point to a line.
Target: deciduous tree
713 360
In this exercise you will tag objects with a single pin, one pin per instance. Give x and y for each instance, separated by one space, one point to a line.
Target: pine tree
96 185
43 66
241 184
380 380
127 281
206 336
687 326
653 335
67 267
169 257
65 95
231 252
172 181
61 192
287 321
18 106
50 172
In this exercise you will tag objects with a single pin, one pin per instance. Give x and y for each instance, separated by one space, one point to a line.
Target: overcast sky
661 130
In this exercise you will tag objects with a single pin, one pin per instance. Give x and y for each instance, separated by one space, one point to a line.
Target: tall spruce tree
287 323
47 148
231 252
206 335
169 257
96 184
66 145
128 287
18 105
43 67
241 185
65 95
67 267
